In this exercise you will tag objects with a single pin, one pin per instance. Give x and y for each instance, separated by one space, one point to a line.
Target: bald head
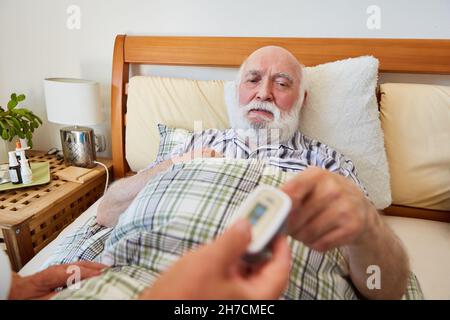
276 56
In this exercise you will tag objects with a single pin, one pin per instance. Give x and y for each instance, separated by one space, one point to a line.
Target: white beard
278 130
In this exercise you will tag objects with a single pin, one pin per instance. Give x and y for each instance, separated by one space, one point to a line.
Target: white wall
35 42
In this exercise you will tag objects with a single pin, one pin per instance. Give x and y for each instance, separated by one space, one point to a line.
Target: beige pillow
174 102
416 124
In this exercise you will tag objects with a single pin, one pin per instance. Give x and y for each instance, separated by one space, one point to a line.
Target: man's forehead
289 73
273 62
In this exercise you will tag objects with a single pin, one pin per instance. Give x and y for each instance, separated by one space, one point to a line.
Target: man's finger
208 152
299 187
322 198
211 153
233 243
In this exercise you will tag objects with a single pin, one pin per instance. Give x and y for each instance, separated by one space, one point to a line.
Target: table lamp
75 102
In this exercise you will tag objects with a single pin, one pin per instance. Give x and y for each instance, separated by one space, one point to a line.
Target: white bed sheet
427 243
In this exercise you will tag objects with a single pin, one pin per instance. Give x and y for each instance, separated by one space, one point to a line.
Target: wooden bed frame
395 55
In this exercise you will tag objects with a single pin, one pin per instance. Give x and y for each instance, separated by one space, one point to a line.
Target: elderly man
330 206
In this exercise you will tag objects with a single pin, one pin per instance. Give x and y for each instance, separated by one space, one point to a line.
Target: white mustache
263 106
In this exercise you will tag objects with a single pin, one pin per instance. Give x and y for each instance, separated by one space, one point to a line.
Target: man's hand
215 271
42 284
328 210
193 154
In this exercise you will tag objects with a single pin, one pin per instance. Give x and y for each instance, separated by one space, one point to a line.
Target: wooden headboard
395 55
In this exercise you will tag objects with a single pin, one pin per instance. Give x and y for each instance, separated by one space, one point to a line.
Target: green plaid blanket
179 209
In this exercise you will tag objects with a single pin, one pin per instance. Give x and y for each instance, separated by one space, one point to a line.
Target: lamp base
78 146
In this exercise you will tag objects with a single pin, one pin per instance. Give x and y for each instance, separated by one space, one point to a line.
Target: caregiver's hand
41 285
215 271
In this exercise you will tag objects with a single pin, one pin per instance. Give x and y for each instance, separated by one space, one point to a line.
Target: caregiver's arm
120 195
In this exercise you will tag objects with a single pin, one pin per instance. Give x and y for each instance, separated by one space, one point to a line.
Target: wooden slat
403 211
18 242
120 76
395 55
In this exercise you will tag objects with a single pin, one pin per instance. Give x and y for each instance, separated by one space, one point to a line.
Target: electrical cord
59 156
107 174
52 151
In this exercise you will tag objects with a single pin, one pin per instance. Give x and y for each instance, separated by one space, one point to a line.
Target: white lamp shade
73 101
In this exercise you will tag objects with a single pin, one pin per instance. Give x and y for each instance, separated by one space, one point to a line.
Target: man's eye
282 84
252 80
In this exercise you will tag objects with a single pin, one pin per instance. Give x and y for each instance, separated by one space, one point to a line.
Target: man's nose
265 91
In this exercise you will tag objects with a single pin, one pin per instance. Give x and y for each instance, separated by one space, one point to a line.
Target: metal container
78 146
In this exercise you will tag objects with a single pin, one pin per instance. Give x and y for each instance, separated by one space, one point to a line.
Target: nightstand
31 217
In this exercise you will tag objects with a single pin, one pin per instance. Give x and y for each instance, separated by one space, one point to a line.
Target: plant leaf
21 97
9 122
5 134
29 117
4 124
16 122
29 137
38 119
12 104
12 133
25 127
13 96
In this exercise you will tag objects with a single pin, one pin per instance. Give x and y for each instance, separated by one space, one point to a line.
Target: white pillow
341 111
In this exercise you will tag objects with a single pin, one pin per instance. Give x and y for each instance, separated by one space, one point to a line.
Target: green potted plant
16 122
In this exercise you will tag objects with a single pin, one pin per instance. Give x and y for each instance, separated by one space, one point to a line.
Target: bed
430 257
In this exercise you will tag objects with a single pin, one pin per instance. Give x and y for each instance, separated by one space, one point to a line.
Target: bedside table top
18 205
